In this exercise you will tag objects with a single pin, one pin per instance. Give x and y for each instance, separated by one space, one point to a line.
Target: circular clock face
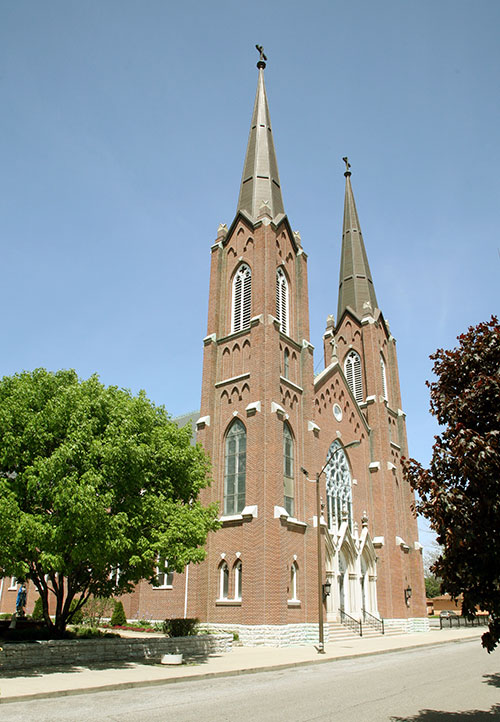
337 412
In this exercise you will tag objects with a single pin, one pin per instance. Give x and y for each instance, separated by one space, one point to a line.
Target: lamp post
321 641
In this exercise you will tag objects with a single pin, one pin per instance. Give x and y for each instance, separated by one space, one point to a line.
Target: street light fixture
321 642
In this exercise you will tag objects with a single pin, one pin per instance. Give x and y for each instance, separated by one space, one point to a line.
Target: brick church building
270 426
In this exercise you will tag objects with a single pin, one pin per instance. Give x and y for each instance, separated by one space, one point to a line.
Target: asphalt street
433 684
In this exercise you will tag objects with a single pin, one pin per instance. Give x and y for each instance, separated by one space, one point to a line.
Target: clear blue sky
123 128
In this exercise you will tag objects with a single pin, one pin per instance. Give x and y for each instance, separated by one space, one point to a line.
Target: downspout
185 592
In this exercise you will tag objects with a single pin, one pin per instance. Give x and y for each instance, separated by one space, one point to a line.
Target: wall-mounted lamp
327 588
408 595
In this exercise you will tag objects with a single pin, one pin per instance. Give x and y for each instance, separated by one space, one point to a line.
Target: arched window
242 299
237 580
384 377
294 579
338 486
235 468
286 364
282 300
223 580
352 370
288 474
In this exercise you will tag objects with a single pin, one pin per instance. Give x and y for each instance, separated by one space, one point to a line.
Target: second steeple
356 289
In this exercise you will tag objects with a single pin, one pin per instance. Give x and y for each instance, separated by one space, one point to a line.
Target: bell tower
366 354
257 399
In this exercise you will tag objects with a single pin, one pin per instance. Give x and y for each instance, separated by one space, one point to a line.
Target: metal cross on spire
347 166
261 63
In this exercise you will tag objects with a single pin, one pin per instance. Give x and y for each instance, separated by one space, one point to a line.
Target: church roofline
377 316
281 219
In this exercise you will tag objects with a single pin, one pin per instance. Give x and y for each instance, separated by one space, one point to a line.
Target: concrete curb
226 673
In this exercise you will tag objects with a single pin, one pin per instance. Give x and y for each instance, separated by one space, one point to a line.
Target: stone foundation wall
77 652
271 635
408 626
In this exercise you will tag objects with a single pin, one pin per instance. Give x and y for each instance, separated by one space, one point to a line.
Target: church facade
274 431
271 426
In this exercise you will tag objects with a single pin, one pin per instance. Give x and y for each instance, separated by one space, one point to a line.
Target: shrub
118 618
180 627
90 633
37 615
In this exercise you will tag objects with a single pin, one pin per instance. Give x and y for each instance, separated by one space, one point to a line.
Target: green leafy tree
460 491
432 582
432 586
94 479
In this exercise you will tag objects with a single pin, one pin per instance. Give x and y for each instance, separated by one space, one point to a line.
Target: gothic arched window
384 377
238 569
282 300
235 468
294 579
242 299
286 364
338 486
288 474
352 370
223 580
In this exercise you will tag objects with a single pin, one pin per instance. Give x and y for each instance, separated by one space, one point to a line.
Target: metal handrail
372 621
478 619
354 624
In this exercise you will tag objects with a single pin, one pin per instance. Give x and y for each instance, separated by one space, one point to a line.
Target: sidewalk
53 682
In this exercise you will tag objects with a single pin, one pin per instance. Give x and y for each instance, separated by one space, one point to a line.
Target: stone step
339 631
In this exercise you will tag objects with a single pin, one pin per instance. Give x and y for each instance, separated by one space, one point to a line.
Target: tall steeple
355 283
260 181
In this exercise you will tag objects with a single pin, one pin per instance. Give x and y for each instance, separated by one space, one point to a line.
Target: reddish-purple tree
460 491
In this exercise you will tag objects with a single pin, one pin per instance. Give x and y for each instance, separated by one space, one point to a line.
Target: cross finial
347 166
261 63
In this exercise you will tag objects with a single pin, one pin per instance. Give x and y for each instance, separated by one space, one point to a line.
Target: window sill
165 586
228 602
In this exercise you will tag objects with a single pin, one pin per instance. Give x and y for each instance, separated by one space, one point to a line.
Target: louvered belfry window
352 370
384 377
282 300
242 299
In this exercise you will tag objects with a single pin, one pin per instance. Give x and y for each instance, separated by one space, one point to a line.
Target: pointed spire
355 284
260 183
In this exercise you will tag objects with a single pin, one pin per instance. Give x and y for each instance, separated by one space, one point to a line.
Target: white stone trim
202 422
233 379
253 408
290 383
277 409
378 541
374 466
401 543
311 426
